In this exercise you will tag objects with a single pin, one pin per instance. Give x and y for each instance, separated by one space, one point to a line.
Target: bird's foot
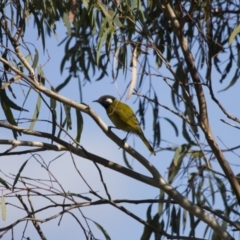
110 128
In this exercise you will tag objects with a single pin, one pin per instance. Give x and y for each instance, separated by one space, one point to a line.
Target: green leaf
140 13
189 112
3 208
156 123
8 113
175 220
18 175
157 134
3 182
172 124
14 106
10 103
62 123
62 85
114 18
67 109
161 203
4 56
107 237
36 112
176 163
86 4
126 160
149 210
185 133
156 224
192 225
234 34
67 23
42 33
174 94
212 192
233 81
134 4
102 40
35 60
110 14
228 67
222 190
79 125
184 219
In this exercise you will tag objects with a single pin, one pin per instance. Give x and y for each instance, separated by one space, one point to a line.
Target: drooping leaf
212 192
222 191
172 124
105 233
161 202
126 160
35 60
10 103
176 163
147 232
233 81
67 23
156 122
184 219
63 84
157 134
234 34
174 94
3 208
4 56
9 116
18 175
175 220
67 109
3 182
185 133
106 32
36 113
79 125
228 67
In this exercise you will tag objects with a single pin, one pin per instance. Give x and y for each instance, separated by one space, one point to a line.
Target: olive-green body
123 117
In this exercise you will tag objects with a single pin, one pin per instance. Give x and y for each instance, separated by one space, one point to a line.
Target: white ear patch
109 100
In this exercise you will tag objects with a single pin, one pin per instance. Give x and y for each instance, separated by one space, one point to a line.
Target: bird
123 117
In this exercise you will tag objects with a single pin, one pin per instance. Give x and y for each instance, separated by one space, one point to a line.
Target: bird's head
105 100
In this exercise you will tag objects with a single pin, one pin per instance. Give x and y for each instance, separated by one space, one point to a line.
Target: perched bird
123 117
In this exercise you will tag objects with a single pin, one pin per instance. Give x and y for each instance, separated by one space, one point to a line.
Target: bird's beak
96 100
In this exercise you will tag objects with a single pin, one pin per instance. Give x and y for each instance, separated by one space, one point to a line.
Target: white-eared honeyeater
123 117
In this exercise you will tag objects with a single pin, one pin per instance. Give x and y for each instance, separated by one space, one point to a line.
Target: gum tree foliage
195 44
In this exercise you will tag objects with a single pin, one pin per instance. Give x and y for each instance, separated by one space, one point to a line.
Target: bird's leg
124 140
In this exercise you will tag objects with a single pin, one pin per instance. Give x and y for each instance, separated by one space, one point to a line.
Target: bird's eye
108 100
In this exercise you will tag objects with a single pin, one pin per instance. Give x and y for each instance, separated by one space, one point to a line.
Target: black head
105 100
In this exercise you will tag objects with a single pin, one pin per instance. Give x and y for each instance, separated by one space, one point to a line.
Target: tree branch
203 116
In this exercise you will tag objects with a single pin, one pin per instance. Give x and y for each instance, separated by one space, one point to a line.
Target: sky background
116 223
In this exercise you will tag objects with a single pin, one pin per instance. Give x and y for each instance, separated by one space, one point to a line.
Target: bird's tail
145 141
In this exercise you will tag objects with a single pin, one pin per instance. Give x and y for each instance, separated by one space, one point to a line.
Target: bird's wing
124 118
